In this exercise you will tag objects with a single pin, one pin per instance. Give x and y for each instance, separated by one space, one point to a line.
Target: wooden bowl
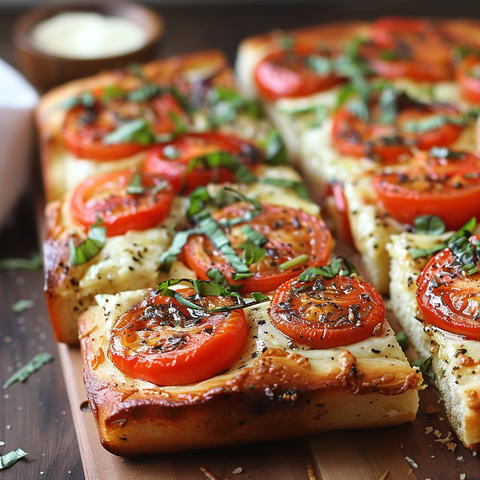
46 71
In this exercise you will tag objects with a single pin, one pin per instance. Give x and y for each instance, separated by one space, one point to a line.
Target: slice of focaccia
277 388
106 122
130 260
455 358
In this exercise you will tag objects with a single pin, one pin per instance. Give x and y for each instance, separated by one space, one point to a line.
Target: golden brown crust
50 117
279 395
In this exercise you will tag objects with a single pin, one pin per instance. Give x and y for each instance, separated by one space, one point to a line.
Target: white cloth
17 102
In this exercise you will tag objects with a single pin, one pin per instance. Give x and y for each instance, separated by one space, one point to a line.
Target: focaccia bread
454 359
131 260
277 389
191 87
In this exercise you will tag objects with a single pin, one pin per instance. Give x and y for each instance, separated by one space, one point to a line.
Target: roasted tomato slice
292 73
166 343
327 313
105 196
408 47
448 298
180 161
290 233
468 76
84 128
388 142
443 187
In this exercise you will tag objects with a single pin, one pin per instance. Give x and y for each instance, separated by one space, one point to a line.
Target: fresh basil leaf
294 262
275 151
32 366
402 340
252 201
112 92
90 247
425 367
329 271
11 458
260 297
298 187
256 237
198 199
135 186
33 263
359 108
171 152
144 93
168 292
21 305
85 99
425 252
320 65
388 106
179 126
429 224
444 152
137 131
286 42
252 253
181 238
217 276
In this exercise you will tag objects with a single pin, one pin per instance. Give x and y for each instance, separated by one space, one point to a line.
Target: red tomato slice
290 233
449 299
468 76
447 188
341 220
286 74
171 160
327 313
84 129
389 142
408 47
160 341
104 196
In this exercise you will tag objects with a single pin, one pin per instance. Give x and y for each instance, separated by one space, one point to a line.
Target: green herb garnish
402 340
444 152
429 224
275 151
137 131
21 305
294 262
32 366
339 266
135 186
85 99
90 247
388 106
11 458
425 367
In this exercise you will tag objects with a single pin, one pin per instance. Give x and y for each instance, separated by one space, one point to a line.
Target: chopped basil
179 126
437 121
252 253
208 288
90 247
112 92
32 366
425 252
11 458
429 224
179 241
144 93
388 106
359 108
444 152
137 131
330 271
286 42
256 237
298 187
159 187
275 151
350 63
217 276
294 262
424 366
402 341
21 305
135 186
211 228
198 200
171 152
257 205
85 99
320 65
33 263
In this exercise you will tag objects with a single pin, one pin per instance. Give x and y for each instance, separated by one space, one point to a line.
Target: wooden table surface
36 415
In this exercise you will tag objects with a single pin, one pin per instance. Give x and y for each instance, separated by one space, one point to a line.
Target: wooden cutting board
404 452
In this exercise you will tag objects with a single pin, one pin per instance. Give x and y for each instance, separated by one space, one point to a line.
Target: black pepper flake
374 350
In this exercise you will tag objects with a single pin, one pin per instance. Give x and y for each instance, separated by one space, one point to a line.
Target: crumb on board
237 470
311 472
208 474
384 476
428 430
446 440
431 409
